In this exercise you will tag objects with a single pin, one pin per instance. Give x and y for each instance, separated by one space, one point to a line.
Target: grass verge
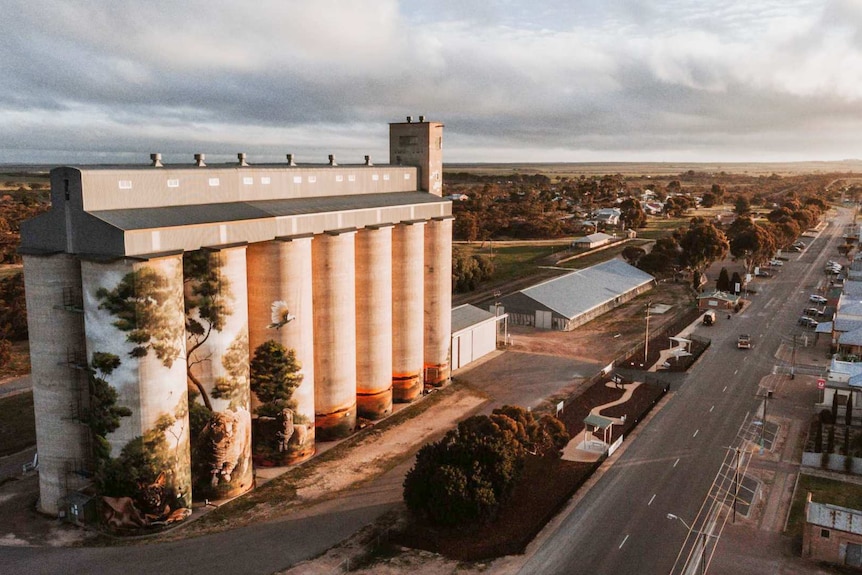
824 490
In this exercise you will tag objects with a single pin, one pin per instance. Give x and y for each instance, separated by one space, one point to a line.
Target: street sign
821 383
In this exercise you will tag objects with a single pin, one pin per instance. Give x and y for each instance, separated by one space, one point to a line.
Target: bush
826 417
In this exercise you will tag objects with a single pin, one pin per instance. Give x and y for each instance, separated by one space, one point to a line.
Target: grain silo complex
190 321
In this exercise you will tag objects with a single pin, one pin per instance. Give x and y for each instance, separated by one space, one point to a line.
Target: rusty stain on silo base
374 405
335 425
437 375
406 388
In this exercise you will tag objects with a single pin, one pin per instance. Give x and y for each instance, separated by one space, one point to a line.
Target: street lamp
646 334
703 535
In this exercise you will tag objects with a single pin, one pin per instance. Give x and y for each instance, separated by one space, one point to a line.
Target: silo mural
138 405
282 346
407 310
216 306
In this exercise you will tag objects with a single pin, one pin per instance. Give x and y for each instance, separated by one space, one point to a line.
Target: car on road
811 312
806 321
816 298
743 341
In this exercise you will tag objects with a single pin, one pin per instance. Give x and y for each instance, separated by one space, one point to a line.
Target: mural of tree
103 415
207 305
235 361
145 305
275 374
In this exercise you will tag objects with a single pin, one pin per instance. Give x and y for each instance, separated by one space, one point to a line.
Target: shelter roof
598 421
465 316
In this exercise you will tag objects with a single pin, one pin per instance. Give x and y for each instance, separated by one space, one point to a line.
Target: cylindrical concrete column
407 310
374 322
134 324
438 300
56 326
280 310
217 303
334 285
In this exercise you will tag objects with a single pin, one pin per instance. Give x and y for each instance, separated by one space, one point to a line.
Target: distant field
553 170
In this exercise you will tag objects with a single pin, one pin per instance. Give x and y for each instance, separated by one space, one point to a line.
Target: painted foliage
135 337
217 368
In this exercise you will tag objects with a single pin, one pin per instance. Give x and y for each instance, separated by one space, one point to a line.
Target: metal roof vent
421 119
290 161
409 119
157 160
241 157
332 160
368 161
199 160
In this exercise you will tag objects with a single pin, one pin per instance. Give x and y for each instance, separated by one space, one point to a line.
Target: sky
102 81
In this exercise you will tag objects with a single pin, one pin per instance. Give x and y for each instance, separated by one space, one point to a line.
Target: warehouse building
151 289
571 300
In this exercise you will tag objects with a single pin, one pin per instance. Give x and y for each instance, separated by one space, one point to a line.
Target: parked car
806 321
811 312
796 248
799 245
816 298
709 317
761 273
776 263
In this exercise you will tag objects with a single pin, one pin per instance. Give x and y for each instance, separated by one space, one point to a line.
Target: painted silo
133 320
217 341
438 300
374 322
60 389
280 311
334 285
407 310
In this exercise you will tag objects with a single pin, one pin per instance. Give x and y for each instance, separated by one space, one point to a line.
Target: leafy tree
741 206
103 415
13 308
146 306
5 351
848 412
678 205
632 254
632 213
207 306
723 281
275 375
750 242
708 200
663 258
702 243
468 271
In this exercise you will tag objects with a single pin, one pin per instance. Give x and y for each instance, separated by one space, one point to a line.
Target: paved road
621 524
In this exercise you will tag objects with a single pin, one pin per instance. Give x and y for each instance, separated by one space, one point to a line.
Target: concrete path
584 447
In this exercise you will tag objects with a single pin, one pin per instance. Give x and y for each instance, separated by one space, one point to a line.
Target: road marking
695 432
735 372
675 462
725 389
711 408
624 542
651 500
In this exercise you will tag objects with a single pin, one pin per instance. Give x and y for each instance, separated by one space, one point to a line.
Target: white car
776 263
816 298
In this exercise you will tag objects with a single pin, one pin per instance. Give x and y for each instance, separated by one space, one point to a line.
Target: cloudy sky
539 80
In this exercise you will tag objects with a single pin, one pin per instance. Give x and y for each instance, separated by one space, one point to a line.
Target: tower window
408 141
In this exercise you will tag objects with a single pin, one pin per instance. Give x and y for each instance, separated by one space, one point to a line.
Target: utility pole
763 423
735 484
646 334
793 359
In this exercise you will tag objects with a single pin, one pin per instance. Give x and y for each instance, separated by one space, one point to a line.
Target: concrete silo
334 301
407 310
58 361
280 309
135 338
217 303
438 300
374 321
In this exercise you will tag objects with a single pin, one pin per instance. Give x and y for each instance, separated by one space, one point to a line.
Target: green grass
823 491
602 256
17 424
512 262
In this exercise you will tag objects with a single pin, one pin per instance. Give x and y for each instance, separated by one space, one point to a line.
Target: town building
832 534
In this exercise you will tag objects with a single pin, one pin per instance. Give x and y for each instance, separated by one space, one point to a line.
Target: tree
632 213
735 281
663 258
750 242
13 308
723 281
708 200
848 411
632 254
678 205
275 375
702 243
741 206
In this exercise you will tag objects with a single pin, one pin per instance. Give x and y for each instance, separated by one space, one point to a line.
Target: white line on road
725 389
675 462
695 432
651 500
624 542
711 408
735 372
